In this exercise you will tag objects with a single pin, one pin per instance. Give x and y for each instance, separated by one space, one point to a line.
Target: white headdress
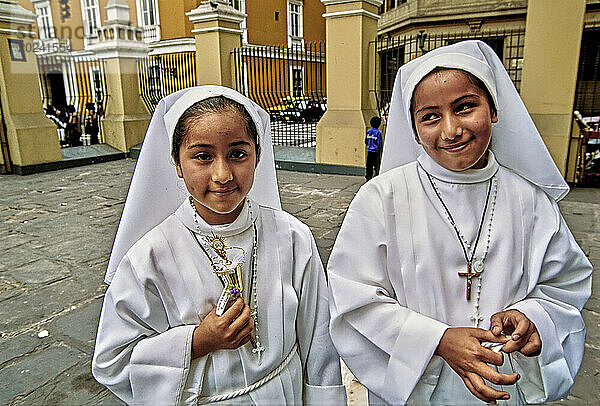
156 191
516 142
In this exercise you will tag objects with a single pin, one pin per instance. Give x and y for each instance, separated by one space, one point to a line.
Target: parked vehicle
303 110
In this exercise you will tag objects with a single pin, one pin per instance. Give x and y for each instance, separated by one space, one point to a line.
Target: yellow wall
261 24
314 23
264 30
551 59
32 138
173 21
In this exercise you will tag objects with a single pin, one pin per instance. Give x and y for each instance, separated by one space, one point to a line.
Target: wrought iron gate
76 81
287 82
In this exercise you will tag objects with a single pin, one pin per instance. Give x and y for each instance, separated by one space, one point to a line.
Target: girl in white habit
454 278
216 294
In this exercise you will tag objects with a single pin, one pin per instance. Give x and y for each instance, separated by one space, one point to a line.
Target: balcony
151 33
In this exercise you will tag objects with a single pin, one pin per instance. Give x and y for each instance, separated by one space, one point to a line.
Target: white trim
352 13
307 56
290 37
38 7
86 23
217 29
9 31
375 3
171 46
140 15
218 16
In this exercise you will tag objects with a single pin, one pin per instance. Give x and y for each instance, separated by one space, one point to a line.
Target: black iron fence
72 83
287 82
393 52
161 75
587 96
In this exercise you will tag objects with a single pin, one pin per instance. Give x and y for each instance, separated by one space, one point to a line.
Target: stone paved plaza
56 232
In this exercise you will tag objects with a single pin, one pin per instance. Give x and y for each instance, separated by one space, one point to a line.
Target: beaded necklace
232 286
475 267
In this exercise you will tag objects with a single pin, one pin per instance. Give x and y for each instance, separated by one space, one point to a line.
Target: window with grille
44 20
297 81
91 17
147 11
295 29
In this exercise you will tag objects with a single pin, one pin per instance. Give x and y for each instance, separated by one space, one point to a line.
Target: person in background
374 143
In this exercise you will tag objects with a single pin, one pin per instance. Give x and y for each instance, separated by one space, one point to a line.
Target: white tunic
395 288
165 285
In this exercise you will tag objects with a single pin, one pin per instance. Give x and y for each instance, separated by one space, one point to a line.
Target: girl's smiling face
453 119
217 159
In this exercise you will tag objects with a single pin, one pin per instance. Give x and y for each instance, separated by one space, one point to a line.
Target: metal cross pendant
476 317
258 349
469 275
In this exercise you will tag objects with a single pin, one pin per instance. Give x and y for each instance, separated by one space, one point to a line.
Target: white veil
156 191
516 142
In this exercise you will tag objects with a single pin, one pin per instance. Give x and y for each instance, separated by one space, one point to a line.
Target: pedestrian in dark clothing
91 123
73 128
374 144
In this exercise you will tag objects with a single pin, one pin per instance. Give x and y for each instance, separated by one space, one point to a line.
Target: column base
124 131
341 137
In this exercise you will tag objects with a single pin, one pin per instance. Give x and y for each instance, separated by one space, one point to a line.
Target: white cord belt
218 398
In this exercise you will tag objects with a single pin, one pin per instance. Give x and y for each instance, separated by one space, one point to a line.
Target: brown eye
238 154
202 156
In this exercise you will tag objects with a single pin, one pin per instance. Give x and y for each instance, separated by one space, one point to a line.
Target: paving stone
42 271
36 369
39 304
18 346
80 324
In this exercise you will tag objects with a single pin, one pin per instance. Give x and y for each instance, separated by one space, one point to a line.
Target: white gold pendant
478 266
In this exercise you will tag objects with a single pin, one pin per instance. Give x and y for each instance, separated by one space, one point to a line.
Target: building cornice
218 29
375 3
172 46
11 12
351 13
208 13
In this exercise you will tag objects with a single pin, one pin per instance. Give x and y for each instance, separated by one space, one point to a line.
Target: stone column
350 26
32 137
550 62
120 45
218 33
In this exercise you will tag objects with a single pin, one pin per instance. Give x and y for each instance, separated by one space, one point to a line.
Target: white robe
165 284
395 289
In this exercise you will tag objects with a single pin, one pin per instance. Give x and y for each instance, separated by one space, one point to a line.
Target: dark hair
375 121
470 77
217 104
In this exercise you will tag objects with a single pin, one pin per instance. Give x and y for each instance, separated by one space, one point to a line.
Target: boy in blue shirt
374 145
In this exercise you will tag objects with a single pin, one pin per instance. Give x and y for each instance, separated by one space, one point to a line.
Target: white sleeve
554 305
137 355
386 345
320 361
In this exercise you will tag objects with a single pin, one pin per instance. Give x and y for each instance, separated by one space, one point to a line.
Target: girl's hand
523 333
227 332
461 349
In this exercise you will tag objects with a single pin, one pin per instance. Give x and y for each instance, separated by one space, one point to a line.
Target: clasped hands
461 348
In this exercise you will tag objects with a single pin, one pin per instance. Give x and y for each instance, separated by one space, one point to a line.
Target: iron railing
160 75
289 83
393 52
587 95
67 80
